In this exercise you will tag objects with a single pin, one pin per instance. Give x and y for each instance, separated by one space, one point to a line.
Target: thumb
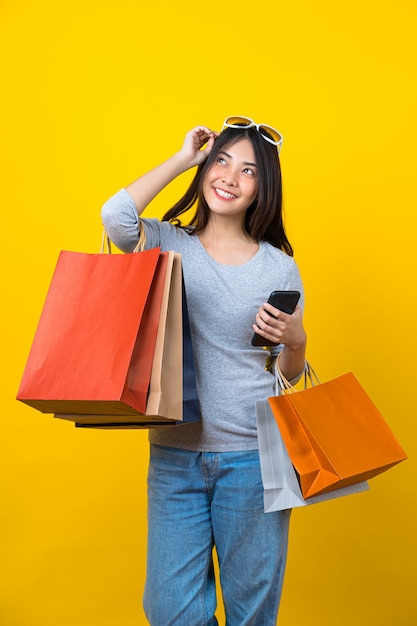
204 152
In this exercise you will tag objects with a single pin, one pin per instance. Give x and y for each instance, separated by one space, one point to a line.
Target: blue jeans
198 500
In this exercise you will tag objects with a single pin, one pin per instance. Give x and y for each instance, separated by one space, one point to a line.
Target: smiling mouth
225 194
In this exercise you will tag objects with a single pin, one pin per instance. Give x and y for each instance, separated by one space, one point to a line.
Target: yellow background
93 94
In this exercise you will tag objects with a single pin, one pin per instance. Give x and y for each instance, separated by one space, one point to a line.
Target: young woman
204 483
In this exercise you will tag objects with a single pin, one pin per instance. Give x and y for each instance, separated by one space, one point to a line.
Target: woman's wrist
299 345
292 359
183 161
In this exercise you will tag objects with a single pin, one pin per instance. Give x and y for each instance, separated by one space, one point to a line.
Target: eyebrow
230 157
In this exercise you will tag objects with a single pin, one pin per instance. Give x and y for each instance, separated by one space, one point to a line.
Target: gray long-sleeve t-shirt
222 303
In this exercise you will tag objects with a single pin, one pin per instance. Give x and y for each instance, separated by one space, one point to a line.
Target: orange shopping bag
333 432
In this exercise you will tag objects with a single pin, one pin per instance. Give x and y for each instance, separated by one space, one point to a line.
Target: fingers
202 135
268 323
280 327
210 143
194 143
271 310
275 324
269 315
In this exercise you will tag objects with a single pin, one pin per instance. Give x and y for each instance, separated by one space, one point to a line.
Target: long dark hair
263 221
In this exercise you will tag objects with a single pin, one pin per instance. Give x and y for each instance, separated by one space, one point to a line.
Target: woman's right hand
194 141
145 188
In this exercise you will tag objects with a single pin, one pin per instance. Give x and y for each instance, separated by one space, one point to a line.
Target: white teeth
225 194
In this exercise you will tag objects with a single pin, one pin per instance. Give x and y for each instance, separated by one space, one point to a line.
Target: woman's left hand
280 327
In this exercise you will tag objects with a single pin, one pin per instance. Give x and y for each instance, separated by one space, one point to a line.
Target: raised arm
145 188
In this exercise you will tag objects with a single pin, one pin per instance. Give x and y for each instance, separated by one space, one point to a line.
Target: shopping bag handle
105 247
106 241
283 385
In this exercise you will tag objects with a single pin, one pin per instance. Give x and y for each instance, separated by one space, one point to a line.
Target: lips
226 195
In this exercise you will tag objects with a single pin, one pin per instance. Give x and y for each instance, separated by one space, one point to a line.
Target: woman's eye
249 171
221 160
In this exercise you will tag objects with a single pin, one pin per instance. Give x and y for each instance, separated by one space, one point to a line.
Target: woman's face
231 185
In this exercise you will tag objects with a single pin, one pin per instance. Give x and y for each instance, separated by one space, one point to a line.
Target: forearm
146 188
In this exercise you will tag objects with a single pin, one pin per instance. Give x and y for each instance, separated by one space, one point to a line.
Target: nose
230 178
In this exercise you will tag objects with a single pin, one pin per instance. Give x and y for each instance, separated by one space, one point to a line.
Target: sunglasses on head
268 133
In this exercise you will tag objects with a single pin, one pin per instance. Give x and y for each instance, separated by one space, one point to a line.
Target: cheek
213 174
209 177
252 189
206 185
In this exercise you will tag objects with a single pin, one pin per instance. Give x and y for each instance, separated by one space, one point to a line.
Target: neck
229 244
224 231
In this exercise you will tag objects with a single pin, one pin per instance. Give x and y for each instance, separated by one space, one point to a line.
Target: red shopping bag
172 397
334 433
94 346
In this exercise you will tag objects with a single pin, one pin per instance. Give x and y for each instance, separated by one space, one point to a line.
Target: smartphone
285 301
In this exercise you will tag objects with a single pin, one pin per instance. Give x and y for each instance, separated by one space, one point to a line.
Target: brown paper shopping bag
165 389
334 434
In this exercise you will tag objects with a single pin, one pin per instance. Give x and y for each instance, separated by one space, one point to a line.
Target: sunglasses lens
238 121
270 133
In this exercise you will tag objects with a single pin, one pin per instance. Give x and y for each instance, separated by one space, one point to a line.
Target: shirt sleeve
121 221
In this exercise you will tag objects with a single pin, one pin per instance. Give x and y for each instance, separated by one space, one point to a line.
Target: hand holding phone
285 301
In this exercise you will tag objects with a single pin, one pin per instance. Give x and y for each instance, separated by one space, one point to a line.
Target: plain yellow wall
94 93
